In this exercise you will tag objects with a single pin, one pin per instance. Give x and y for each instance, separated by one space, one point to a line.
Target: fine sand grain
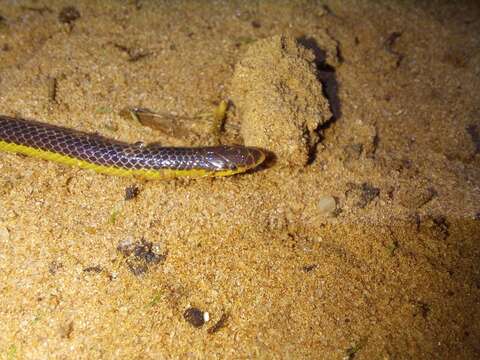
359 239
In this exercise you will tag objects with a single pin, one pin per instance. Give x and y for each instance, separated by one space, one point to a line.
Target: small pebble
131 192
327 205
194 316
140 254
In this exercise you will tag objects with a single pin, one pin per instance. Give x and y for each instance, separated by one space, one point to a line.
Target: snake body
150 161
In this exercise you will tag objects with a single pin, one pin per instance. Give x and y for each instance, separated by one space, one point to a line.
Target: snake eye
139 144
231 166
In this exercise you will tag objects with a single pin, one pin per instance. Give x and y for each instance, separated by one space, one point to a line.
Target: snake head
234 158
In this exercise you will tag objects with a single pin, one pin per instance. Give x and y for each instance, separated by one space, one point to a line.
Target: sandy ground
388 270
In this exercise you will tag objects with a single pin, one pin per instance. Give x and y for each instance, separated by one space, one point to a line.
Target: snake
113 157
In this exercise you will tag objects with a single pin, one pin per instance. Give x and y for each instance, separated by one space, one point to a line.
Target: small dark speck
390 45
136 269
131 192
54 267
194 316
364 192
424 309
308 268
441 223
327 9
256 24
144 251
218 325
140 255
369 193
134 54
68 15
392 39
475 136
66 330
138 5
95 268
421 308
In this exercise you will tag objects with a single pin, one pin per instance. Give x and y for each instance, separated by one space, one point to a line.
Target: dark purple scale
102 151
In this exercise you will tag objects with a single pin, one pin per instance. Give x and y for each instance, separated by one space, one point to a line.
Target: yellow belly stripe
112 170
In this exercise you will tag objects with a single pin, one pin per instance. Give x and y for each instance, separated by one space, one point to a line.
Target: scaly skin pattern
113 157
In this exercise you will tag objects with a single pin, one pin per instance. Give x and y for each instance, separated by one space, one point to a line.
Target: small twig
52 89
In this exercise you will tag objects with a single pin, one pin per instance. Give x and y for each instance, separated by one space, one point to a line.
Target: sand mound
280 99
